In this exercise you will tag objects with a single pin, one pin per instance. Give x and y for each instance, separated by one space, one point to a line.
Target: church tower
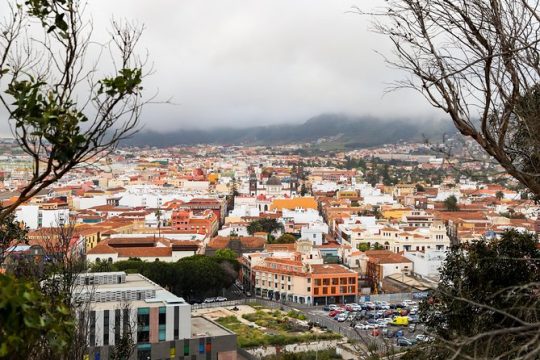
253 184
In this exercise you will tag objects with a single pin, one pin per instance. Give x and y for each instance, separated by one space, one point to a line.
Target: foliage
62 111
226 254
274 328
190 277
476 61
487 298
286 238
366 246
264 225
499 195
296 315
451 203
12 232
30 321
328 354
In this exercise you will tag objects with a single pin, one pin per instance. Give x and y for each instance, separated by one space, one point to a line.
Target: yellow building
294 203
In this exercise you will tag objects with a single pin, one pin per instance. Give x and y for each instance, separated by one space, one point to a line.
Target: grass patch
329 354
277 328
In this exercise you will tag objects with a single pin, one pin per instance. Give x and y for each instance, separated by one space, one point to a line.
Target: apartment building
299 276
160 323
204 222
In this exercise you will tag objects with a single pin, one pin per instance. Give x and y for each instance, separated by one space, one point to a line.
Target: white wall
29 215
52 218
81 203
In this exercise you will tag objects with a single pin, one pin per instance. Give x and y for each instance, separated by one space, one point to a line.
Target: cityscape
336 237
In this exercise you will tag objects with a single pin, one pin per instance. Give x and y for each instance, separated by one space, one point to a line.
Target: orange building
205 222
333 283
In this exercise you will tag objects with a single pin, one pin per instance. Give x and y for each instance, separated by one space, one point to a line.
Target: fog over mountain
351 131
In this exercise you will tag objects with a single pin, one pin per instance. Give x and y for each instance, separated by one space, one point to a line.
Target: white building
427 264
314 232
34 217
160 322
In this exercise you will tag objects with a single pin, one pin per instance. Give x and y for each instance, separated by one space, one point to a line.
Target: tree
420 188
285 239
303 190
64 112
226 254
124 344
486 304
363 247
451 203
499 195
264 225
32 325
478 62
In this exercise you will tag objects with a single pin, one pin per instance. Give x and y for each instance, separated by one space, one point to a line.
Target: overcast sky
246 62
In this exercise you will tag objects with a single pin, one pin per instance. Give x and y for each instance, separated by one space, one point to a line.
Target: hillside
349 132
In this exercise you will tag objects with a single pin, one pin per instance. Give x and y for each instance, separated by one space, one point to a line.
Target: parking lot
372 324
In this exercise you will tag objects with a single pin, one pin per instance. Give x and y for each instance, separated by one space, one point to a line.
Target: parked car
424 338
221 298
248 293
369 305
335 312
209 300
404 342
342 317
333 307
326 308
361 326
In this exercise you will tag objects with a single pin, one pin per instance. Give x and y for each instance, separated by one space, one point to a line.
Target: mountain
347 131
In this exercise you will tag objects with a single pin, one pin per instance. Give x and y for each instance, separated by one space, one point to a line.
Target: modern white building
314 232
160 322
428 263
34 217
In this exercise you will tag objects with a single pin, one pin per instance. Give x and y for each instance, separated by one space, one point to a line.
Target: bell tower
252 184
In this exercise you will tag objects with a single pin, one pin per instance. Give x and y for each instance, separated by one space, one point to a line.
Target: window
288 287
186 347
176 325
162 322
201 346
116 326
92 328
143 325
106 327
308 289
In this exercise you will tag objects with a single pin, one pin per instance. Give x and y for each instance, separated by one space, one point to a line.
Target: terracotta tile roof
221 242
145 252
330 269
280 247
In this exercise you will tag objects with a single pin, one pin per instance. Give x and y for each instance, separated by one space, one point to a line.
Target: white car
342 317
364 327
361 327
424 338
333 307
220 298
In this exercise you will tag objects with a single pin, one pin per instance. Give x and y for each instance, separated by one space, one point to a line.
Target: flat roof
202 327
134 282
